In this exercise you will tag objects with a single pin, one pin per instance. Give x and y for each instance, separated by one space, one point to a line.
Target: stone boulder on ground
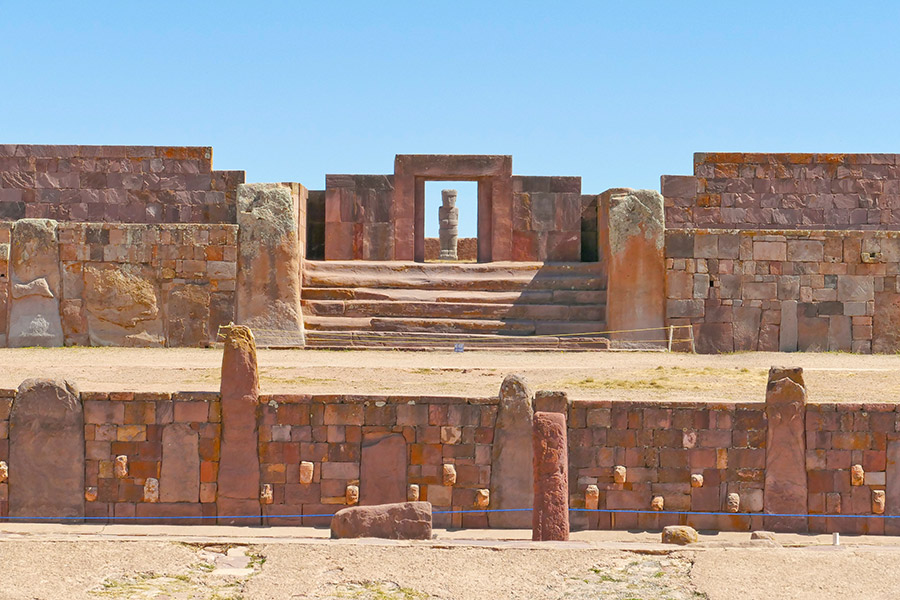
680 534
400 521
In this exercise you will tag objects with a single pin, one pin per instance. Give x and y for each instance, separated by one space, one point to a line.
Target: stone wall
785 290
786 191
128 184
135 285
319 453
547 218
466 249
359 217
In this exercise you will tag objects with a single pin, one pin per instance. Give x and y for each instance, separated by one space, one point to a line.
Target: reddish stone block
785 475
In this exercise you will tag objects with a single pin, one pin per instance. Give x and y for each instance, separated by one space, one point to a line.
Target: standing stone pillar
634 248
269 257
34 318
550 517
46 451
449 229
785 482
512 482
238 480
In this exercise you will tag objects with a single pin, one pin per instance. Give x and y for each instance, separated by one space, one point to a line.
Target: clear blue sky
618 93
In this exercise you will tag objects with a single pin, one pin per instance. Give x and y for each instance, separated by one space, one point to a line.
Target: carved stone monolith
449 227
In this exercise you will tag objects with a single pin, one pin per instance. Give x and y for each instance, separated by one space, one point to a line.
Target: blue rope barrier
457 512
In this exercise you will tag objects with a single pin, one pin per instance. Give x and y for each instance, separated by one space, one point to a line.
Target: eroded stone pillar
34 318
512 484
785 482
269 257
449 225
46 451
634 246
238 480
550 517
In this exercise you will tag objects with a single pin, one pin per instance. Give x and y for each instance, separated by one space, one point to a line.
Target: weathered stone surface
679 534
34 315
785 479
151 490
179 479
696 480
400 521
550 516
482 498
878 502
788 332
382 475
412 493
620 474
351 495
762 535
892 487
121 466
238 480
886 323
657 503
733 502
592 497
46 451
268 281
636 268
121 304
307 469
267 494
857 475
187 315
448 474
512 452
4 471
551 401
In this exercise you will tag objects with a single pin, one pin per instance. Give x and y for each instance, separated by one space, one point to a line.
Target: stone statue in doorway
449 228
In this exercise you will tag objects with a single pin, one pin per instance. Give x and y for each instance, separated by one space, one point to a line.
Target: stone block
636 264
886 323
789 340
550 516
855 288
770 251
187 315
805 251
753 290
383 471
839 333
268 281
812 333
35 285
746 328
681 535
238 478
122 305
400 521
46 451
679 244
179 479
512 456
785 474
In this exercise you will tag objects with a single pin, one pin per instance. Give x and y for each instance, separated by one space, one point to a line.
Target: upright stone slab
382 472
635 244
511 458
268 278
550 517
892 487
179 479
238 481
34 318
785 481
46 451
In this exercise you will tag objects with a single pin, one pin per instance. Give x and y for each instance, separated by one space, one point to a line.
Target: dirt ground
609 565
830 377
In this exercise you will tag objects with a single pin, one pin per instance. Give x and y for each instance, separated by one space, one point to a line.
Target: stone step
521 327
569 297
453 310
431 341
505 276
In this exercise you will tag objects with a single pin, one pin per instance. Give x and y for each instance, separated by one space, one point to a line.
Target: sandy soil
830 377
292 568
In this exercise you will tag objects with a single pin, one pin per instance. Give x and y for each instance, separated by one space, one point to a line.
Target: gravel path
830 377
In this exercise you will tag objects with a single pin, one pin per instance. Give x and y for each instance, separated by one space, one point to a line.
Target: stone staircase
428 305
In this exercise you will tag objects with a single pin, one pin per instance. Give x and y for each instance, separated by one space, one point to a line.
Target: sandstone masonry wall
547 218
662 447
734 190
129 184
140 285
785 290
